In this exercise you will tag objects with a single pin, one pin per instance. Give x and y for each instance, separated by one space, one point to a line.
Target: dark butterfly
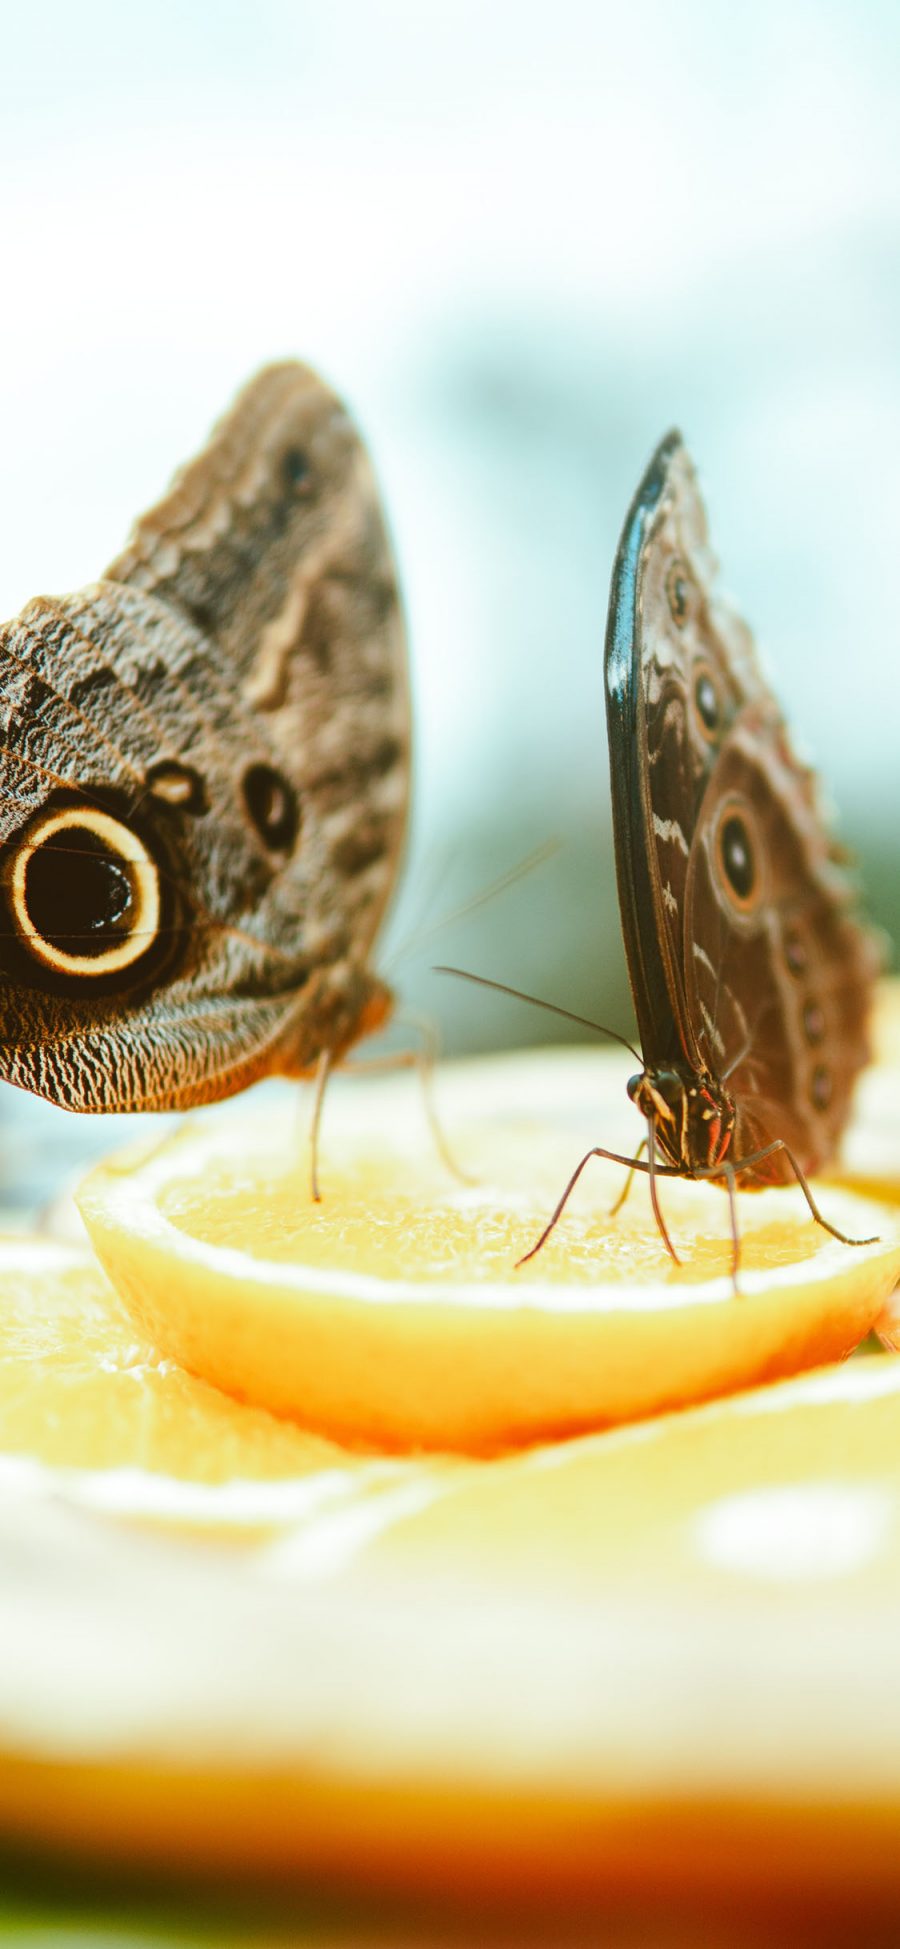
750 973
203 777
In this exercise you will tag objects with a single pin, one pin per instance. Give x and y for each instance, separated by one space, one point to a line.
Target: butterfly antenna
518 995
418 936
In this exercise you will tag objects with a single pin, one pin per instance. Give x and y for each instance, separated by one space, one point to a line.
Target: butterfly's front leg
612 1157
616 1207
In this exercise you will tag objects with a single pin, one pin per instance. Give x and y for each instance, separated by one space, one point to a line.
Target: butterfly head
691 1113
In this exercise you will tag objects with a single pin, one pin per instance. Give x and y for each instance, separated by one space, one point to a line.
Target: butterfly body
692 1114
750 971
203 777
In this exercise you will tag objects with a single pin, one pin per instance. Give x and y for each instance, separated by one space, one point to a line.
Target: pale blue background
522 240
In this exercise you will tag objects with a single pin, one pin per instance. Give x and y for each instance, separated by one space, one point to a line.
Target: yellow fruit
83 1391
392 1313
655 1661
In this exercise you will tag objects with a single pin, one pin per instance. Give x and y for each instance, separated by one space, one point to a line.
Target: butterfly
750 971
204 762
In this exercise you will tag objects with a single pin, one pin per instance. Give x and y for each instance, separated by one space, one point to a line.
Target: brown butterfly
750 972
203 777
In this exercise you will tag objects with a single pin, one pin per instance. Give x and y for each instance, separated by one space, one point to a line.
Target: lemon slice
392 1313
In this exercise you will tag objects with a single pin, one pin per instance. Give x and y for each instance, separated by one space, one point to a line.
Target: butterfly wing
778 970
746 958
203 776
679 667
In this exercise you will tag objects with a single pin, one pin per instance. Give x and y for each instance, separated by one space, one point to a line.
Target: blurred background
522 241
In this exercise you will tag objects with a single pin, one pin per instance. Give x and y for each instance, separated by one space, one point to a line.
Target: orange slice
392 1313
653 1657
85 1395
653 1660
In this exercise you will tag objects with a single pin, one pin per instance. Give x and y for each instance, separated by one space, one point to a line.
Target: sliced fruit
393 1312
656 1659
82 1390
786 1490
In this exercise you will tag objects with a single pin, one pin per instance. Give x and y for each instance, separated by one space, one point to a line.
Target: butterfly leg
615 1209
730 1182
323 1071
653 1172
758 1157
424 1060
612 1157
